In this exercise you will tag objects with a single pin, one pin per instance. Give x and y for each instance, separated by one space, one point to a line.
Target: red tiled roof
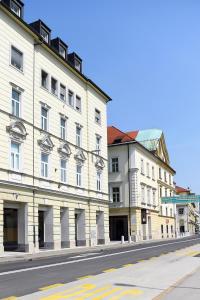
117 136
132 134
180 189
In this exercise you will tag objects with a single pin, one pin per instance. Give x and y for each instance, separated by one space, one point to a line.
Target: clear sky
146 55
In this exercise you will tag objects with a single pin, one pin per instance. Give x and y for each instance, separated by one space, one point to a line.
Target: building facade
53 137
187 214
139 171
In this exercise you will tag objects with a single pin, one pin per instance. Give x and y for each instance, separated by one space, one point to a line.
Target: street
143 271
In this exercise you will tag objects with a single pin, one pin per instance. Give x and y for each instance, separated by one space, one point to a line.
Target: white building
53 150
139 171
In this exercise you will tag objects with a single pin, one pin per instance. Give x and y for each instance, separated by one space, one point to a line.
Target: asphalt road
22 278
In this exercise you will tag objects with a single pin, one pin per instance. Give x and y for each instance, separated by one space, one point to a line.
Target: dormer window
62 51
15 8
78 65
44 34
75 61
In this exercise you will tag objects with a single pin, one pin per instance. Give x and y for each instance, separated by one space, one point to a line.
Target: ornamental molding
17 131
46 143
80 157
99 164
64 150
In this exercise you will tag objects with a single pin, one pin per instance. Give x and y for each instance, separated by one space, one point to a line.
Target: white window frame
45 118
15 5
79 175
153 172
78 100
54 92
62 86
116 193
13 157
148 194
70 94
63 129
142 166
22 58
44 166
97 116
98 143
114 166
46 37
99 181
148 170
78 136
15 102
143 194
47 80
63 171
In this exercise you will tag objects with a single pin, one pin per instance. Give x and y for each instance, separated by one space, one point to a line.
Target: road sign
178 199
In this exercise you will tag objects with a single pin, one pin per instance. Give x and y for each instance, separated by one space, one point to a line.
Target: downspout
129 192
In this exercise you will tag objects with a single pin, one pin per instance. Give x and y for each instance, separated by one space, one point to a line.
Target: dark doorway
182 229
10 229
41 228
118 227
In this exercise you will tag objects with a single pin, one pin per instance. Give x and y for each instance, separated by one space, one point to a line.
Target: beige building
53 137
139 174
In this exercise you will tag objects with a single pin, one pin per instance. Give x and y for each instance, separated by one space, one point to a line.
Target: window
154 197
44 118
16 58
153 173
44 34
114 165
170 179
62 51
166 211
78 65
165 192
15 8
142 193
160 191
78 175
62 92
63 170
116 194
98 143
181 211
98 181
171 212
161 210
16 96
54 86
70 98
44 79
142 166
160 173
165 176
78 136
63 128
149 195
172 230
97 116
148 171
162 229
44 164
78 103
167 229
15 156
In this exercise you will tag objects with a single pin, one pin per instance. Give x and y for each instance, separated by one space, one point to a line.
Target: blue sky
146 55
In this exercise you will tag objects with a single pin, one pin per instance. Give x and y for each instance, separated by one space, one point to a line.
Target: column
71 212
23 227
100 228
64 222
80 227
56 228
48 228
1 227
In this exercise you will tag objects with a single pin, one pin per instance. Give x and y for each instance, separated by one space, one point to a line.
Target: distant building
139 175
187 214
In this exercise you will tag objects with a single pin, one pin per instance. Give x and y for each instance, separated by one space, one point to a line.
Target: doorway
41 228
10 229
118 228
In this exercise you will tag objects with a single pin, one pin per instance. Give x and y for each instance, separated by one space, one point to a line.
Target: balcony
116 204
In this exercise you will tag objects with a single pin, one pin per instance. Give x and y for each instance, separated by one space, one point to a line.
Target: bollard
122 239
129 239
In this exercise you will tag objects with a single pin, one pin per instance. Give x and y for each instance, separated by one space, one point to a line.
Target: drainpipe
129 192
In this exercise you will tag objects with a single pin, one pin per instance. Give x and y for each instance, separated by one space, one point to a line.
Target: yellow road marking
109 270
142 260
77 290
84 277
48 287
132 292
107 293
192 253
10 298
128 265
94 292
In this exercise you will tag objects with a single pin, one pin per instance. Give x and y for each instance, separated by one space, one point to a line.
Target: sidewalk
21 256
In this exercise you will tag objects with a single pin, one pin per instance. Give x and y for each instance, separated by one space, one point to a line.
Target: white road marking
91 258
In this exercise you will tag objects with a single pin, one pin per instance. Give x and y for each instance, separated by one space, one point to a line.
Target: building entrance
41 228
118 227
10 229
